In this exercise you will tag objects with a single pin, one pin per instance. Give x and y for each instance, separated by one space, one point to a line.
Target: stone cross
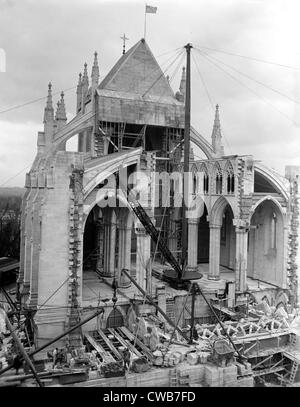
124 38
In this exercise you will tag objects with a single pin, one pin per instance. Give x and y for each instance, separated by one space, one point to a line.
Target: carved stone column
192 243
100 246
124 260
108 247
214 252
241 255
112 246
142 256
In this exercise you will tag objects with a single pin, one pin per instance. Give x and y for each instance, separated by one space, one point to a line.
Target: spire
48 121
85 87
180 95
85 78
79 93
60 115
95 72
49 111
216 135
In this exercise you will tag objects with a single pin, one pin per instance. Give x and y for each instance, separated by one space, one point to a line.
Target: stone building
78 231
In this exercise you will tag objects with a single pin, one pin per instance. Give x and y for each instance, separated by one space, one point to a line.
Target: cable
64 90
163 73
53 294
14 176
247 87
203 83
251 58
34 101
209 98
168 52
254 80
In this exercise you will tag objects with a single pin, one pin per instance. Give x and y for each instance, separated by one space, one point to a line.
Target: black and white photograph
149 197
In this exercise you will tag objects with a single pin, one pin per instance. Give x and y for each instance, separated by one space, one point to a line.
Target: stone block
229 375
192 358
213 376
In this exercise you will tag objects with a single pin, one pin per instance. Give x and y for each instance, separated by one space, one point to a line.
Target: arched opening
203 238
206 183
218 181
115 319
91 247
265 244
227 239
107 250
262 184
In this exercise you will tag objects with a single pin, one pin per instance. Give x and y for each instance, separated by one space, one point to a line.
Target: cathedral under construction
103 228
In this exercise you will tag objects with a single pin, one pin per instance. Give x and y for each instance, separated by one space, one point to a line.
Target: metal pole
193 312
22 350
9 300
187 129
59 337
155 305
220 322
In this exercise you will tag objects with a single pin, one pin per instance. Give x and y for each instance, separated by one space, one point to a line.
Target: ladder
170 308
184 379
151 230
293 372
293 339
173 378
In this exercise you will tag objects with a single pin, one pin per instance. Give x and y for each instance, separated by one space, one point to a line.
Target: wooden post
187 128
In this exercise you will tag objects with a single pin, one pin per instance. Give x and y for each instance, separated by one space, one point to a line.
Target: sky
50 40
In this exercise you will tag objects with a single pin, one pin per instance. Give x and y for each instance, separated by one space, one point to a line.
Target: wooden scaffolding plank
125 342
131 337
106 356
109 344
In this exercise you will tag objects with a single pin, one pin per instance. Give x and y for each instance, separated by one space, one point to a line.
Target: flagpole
145 22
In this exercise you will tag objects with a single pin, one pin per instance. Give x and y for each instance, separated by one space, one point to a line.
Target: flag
150 9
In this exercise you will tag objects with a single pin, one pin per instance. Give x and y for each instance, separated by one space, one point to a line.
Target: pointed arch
229 177
218 173
263 199
203 170
216 214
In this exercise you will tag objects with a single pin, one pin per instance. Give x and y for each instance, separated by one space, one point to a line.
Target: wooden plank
109 344
131 337
125 343
106 356
225 311
268 371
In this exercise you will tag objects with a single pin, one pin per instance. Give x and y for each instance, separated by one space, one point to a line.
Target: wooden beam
109 344
132 337
106 356
125 342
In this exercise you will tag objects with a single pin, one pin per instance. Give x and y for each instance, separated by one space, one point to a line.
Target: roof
138 74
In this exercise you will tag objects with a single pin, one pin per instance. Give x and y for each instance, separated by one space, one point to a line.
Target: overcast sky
50 40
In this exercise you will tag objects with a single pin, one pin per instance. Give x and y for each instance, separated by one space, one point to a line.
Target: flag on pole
151 9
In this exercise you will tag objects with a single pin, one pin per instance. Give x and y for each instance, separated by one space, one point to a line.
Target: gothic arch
106 168
266 198
116 318
217 211
266 242
273 179
99 196
229 178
